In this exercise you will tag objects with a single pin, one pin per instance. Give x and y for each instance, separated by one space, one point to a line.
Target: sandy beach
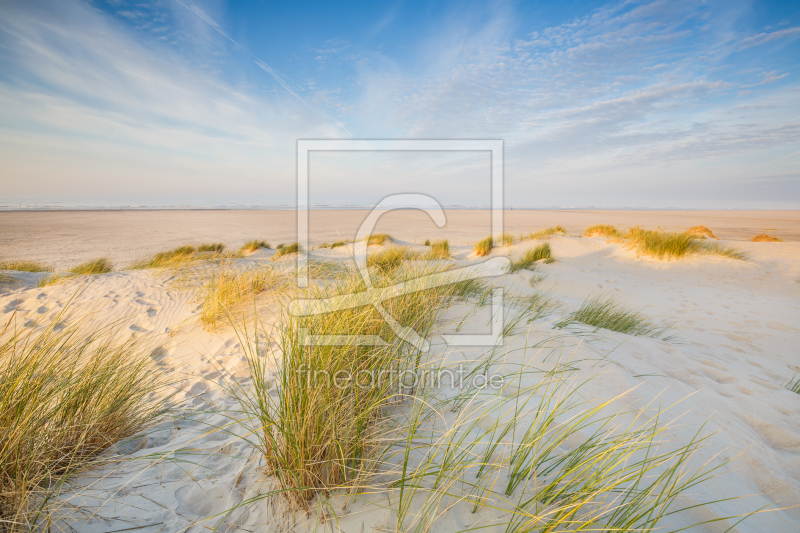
718 368
62 237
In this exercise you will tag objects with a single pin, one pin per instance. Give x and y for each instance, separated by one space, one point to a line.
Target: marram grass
179 256
439 250
601 230
765 238
67 392
607 313
540 455
701 232
793 384
255 244
25 266
389 259
484 247
318 433
665 245
229 292
102 265
506 239
544 233
287 249
530 257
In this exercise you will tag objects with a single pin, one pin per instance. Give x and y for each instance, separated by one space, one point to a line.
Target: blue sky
608 104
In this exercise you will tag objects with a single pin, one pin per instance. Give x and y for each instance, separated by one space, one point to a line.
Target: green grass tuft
484 247
25 266
67 393
287 249
793 384
545 233
338 244
213 247
379 239
388 260
439 250
95 267
178 256
229 290
606 313
531 256
102 265
427 242
255 244
506 239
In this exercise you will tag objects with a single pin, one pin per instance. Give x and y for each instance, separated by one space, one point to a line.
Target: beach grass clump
506 239
701 232
179 256
660 244
439 250
287 249
529 258
602 230
338 244
484 247
102 265
379 239
229 290
216 247
607 313
544 233
5 278
427 242
326 427
255 244
793 384
25 266
67 393
388 260
758 238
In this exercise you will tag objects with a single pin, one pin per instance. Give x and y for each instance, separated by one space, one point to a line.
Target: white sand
736 325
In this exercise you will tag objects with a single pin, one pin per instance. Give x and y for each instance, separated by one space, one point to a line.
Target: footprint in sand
13 305
719 376
775 437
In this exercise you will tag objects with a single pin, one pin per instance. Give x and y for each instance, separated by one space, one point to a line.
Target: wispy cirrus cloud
767 37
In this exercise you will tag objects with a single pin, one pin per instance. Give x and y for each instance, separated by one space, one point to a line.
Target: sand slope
736 328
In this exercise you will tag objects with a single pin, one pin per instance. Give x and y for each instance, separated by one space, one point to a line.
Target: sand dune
733 343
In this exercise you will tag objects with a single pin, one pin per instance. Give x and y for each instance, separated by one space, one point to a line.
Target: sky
627 104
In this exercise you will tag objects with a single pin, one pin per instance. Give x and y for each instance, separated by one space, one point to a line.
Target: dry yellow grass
544 233
25 266
506 239
67 392
102 265
439 250
484 247
229 291
255 244
379 239
701 231
765 238
287 249
601 230
179 256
